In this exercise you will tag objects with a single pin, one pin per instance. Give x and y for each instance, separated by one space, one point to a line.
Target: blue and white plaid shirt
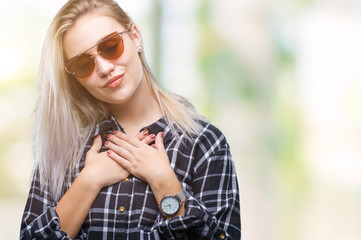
128 209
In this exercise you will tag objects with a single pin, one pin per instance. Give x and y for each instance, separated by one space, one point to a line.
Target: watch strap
181 196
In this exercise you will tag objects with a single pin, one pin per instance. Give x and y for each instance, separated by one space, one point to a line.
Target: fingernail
154 146
145 133
115 132
106 143
109 152
161 134
108 136
152 136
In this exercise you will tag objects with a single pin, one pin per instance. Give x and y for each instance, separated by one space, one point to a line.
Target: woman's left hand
149 163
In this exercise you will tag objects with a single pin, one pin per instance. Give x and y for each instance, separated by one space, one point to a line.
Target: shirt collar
109 125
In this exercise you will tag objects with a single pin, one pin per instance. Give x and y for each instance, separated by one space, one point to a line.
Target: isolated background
280 78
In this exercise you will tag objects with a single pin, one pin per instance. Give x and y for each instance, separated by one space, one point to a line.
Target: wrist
88 182
166 184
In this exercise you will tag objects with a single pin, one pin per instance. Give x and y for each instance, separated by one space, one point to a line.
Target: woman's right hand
100 169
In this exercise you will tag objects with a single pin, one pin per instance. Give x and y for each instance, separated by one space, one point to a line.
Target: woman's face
112 81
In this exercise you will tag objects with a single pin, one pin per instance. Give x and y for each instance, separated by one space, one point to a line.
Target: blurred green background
280 78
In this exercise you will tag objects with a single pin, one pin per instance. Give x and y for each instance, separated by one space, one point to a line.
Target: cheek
131 61
89 86
137 68
85 85
136 63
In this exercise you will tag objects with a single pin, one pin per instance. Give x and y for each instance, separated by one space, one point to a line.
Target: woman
116 157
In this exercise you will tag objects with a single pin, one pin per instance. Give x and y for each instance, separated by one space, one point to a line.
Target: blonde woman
116 157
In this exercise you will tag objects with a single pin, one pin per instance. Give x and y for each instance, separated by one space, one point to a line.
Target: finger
121 151
159 141
149 139
120 142
120 160
97 144
141 135
128 139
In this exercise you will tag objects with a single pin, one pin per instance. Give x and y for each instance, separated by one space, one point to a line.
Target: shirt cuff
196 222
47 226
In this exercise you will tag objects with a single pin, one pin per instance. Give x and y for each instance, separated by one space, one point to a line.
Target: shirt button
122 208
222 236
126 179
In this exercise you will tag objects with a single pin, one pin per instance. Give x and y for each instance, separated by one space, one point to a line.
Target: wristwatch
170 204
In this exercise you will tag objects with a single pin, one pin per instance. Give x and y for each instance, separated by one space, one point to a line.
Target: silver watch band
181 196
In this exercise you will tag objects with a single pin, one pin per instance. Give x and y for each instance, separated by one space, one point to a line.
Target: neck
140 110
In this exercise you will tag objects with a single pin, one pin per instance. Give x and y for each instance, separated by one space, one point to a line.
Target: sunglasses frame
98 52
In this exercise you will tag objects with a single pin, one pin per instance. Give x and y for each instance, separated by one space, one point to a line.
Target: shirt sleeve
212 209
40 220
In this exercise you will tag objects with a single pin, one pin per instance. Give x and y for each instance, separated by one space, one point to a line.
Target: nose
104 66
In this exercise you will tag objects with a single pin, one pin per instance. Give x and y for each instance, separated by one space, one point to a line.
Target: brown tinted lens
111 48
82 66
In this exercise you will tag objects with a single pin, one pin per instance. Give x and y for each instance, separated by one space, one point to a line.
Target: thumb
97 144
159 141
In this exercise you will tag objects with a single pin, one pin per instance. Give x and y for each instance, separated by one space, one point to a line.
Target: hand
103 170
149 163
144 137
100 168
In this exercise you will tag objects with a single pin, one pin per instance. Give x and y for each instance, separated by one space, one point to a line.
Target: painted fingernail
161 134
152 136
108 136
109 152
145 133
106 143
115 132
154 146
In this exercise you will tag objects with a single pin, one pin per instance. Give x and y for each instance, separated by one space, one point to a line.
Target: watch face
169 205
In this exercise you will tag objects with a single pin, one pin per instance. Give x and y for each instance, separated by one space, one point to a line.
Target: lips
114 81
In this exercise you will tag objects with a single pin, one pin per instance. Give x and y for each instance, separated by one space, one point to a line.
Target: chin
117 101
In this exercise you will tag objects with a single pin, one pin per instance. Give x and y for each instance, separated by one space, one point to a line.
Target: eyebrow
98 42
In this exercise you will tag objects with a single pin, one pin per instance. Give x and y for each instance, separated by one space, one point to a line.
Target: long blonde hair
66 113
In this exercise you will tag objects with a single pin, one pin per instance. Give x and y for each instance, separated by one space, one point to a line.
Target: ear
137 39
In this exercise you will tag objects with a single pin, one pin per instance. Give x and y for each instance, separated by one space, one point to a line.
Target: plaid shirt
128 209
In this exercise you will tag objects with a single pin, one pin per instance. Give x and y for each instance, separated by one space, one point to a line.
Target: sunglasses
111 47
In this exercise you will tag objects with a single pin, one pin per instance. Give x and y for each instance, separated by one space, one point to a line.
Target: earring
140 49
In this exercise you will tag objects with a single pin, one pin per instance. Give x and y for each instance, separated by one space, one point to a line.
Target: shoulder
210 149
210 138
210 132
210 129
